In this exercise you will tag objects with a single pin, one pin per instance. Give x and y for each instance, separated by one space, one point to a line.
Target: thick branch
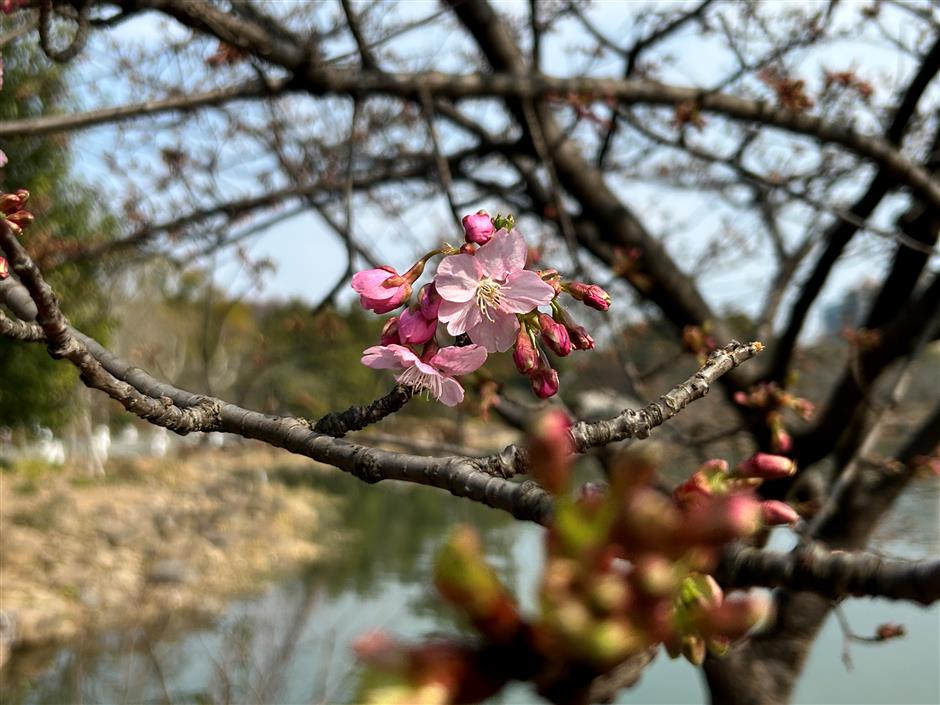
831 574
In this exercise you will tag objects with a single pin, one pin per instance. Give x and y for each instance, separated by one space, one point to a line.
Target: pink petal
524 291
451 392
369 284
454 361
457 278
502 255
388 357
459 317
497 335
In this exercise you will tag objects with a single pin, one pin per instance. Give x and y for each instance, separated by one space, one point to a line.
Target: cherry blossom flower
436 375
482 293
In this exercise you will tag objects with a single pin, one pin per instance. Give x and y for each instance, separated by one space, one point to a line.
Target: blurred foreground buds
626 569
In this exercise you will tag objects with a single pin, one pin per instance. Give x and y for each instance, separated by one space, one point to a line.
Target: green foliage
36 388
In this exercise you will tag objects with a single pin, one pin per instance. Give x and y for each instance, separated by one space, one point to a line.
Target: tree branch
831 574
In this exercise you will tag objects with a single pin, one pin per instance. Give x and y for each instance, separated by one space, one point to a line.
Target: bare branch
832 574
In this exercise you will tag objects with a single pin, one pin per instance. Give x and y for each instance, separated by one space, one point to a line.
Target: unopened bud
610 593
544 379
655 575
613 640
20 218
525 355
429 301
765 466
478 228
570 618
390 332
775 513
590 294
4 268
737 615
414 328
379 650
722 519
693 649
554 335
550 448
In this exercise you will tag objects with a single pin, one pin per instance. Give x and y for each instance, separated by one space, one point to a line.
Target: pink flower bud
741 398
775 513
478 228
4 268
525 355
544 380
381 290
580 338
415 329
390 332
554 335
722 519
590 294
765 466
429 301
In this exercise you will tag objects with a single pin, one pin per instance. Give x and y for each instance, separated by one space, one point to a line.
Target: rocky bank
152 536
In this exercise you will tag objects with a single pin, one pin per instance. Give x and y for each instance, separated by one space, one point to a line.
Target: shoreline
153 538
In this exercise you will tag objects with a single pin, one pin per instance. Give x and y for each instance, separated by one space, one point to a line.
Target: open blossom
482 293
381 290
436 375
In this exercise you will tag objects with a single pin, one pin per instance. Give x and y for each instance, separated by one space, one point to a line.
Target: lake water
290 644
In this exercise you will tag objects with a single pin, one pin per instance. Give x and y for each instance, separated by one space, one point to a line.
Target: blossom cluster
483 293
772 400
627 569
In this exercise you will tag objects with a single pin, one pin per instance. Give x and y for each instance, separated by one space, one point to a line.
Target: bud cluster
481 290
773 400
13 211
627 569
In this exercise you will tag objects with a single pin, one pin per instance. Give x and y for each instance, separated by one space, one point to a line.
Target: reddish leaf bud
765 466
554 335
889 631
478 228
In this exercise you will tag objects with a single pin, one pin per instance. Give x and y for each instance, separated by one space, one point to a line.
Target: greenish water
291 643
